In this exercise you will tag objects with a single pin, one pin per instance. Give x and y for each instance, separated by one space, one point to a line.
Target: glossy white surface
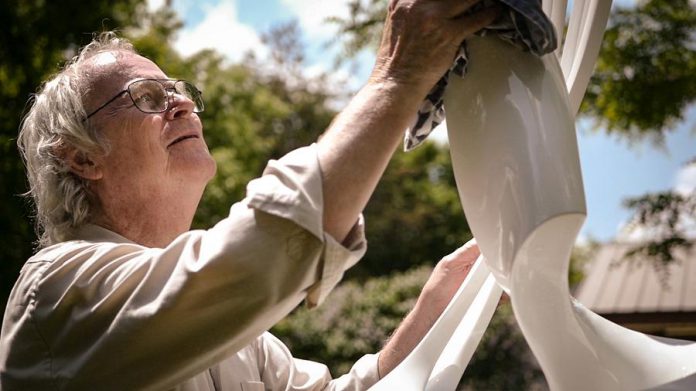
456 355
515 158
513 146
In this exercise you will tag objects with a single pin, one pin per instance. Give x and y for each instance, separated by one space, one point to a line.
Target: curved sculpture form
516 164
514 150
582 42
456 355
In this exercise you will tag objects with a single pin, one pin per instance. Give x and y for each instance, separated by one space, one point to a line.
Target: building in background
632 293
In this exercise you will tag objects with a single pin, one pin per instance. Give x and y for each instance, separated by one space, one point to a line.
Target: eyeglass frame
166 89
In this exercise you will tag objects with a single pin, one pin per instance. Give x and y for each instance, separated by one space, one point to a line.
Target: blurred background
275 72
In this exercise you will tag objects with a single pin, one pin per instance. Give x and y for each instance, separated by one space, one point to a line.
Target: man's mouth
183 138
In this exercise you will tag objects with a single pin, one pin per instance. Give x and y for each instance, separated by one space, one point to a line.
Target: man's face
149 152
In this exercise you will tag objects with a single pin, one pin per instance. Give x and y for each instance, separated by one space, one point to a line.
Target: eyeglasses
151 95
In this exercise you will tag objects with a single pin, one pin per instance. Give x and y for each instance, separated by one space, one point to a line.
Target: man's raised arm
419 42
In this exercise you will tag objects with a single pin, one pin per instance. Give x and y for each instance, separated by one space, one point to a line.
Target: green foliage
579 257
358 318
152 35
414 216
362 27
663 216
503 360
251 120
646 73
258 110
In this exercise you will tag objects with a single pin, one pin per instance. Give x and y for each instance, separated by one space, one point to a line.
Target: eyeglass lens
150 96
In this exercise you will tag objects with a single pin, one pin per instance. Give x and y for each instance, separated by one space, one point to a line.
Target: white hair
56 120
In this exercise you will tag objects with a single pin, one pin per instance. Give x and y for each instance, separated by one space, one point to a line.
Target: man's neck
154 222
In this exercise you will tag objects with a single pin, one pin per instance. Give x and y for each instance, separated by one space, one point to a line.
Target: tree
643 83
35 40
414 217
668 216
362 27
645 76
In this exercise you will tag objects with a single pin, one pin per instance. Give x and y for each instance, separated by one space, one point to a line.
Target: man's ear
83 164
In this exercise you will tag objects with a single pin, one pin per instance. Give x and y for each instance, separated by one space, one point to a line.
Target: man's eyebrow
138 78
168 82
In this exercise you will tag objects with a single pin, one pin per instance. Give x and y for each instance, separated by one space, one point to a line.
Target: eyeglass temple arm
105 104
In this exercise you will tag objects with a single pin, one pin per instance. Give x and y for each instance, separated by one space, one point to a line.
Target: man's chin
199 169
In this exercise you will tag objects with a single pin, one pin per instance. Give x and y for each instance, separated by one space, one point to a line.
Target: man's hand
438 291
447 277
422 37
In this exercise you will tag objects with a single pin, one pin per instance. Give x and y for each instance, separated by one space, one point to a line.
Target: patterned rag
522 24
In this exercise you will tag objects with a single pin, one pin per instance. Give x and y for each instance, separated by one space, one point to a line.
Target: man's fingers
468 24
468 253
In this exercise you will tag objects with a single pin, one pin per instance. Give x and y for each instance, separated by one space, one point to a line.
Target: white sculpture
514 152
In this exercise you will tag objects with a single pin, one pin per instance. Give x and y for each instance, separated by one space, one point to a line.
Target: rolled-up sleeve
291 188
111 314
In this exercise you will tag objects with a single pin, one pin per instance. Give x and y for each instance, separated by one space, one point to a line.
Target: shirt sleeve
122 316
291 189
281 371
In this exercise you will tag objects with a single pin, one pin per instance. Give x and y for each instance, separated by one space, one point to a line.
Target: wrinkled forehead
107 73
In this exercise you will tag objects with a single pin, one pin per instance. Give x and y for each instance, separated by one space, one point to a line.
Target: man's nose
180 106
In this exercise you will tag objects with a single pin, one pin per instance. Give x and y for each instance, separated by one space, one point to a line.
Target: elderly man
122 295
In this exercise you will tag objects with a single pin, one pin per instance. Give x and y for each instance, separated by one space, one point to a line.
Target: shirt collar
95 233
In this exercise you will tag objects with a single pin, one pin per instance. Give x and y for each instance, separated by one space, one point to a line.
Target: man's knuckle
448 259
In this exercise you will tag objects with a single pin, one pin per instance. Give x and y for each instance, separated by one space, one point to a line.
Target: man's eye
144 99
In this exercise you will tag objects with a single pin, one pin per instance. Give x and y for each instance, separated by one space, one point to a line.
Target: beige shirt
102 312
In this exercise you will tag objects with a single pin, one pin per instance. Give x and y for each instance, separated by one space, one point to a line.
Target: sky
612 169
